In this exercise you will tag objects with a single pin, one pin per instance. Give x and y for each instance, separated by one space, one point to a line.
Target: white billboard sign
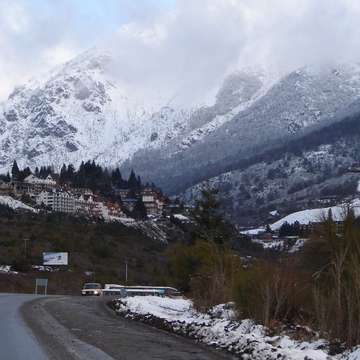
55 258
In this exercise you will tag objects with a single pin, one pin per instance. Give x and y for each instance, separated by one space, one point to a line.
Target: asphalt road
16 340
77 328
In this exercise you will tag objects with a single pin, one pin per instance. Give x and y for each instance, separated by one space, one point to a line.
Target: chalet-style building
48 181
123 193
129 203
114 209
5 188
153 201
32 186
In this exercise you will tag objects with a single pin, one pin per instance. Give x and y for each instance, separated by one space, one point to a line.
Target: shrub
271 294
212 283
337 283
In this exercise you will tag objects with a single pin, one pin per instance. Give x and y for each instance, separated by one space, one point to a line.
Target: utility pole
25 247
126 272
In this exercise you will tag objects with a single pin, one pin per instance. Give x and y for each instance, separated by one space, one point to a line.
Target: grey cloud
185 52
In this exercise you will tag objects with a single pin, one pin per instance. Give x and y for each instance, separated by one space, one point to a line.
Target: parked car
91 289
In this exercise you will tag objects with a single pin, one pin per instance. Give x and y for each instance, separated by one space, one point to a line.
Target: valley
180 179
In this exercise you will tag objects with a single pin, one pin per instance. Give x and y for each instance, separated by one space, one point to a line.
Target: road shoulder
58 342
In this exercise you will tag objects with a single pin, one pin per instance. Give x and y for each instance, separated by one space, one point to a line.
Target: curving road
16 340
75 328
86 329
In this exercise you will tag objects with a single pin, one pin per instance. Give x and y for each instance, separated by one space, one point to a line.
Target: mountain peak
80 111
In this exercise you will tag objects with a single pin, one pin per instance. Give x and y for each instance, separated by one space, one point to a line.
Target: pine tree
15 170
63 174
116 178
24 174
70 172
132 182
49 171
139 211
210 223
42 171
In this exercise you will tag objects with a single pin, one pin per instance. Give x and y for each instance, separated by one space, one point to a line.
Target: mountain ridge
258 128
80 111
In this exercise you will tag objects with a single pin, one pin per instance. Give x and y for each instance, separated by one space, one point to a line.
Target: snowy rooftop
32 179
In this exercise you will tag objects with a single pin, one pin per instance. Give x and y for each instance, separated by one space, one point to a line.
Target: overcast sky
191 43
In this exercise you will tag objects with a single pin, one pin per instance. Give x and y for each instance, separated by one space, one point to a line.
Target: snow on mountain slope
291 179
239 91
298 102
82 111
78 111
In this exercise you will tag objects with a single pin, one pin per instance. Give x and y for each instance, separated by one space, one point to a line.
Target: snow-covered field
280 245
305 217
14 204
219 328
316 215
182 218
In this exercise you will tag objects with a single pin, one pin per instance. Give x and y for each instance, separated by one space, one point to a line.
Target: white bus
124 290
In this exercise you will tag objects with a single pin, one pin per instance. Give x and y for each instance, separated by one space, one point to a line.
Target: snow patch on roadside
219 328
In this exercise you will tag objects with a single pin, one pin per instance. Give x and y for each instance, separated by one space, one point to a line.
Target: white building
57 201
32 179
63 201
82 205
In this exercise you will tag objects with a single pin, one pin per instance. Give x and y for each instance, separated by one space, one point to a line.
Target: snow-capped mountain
278 111
78 111
81 111
238 92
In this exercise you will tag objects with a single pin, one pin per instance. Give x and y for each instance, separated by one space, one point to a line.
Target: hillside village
119 199
102 195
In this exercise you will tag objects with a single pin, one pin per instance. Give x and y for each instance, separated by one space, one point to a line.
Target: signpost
41 283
